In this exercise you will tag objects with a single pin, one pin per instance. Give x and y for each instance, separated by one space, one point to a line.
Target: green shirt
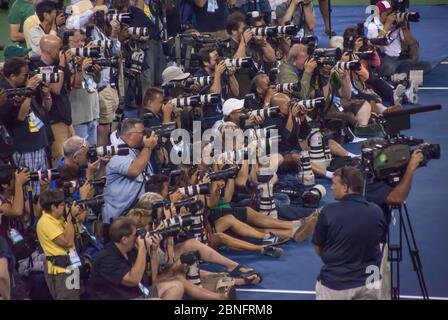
19 11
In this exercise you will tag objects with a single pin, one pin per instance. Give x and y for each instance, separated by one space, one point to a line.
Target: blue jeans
87 130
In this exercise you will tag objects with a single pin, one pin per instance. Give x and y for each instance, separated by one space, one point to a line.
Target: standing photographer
57 237
299 13
126 175
22 116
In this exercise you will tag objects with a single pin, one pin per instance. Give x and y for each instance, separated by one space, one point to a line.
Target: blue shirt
208 20
75 195
120 190
349 233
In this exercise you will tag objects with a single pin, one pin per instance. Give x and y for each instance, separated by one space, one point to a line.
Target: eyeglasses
139 132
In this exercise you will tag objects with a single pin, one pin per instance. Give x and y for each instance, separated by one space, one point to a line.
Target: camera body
163 130
225 174
20 92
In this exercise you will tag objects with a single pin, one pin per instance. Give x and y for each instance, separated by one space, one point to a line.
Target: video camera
95 152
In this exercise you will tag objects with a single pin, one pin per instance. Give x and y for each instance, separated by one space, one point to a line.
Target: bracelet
61 68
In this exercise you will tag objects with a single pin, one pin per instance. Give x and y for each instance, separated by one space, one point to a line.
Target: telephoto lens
265 113
49 175
194 190
266 31
93 202
288 87
348 65
309 105
86 52
210 98
312 197
20 92
245 62
103 44
408 16
192 101
307 40
203 81
379 41
288 30
306 175
328 53
48 77
139 31
124 18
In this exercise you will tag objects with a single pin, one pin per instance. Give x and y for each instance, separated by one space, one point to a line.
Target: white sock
329 174
352 155
296 224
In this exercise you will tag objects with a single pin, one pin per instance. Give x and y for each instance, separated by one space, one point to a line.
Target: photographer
393 59
11 196
159 112
242 44
49 22
347 237
83 96
23 117
224 80
59 116
300 13
57 237
118 271
298 68
126 175
263 90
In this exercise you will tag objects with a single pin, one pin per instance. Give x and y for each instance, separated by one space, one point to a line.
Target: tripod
395 252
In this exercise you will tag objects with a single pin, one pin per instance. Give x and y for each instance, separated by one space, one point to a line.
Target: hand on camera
22 177
220 69
101 8
44 183
155 242
60 20
92 168
358 44
86 63
151 141
310 65
168 108
176 196
205 178
3 97
140 243
33 82
391 18
416 159
247 36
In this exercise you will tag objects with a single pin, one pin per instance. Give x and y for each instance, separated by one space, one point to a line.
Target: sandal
237 273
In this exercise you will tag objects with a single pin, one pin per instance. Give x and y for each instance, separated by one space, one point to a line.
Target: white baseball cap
174 73
232 105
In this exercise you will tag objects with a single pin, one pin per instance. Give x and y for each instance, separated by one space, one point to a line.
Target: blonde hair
141 217
146 200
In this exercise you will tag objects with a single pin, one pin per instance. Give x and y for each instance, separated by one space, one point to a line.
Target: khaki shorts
109 101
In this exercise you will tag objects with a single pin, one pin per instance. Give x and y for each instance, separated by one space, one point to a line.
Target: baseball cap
383 6
15 51
174 73
231 105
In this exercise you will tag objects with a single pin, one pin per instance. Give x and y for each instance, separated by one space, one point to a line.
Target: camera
408 16
101 18
20 92
225 174
264 175
86 52
288 30
197 100
309 105
190 258
191 191
318 53
103 44
48 77
203 81
349 65
171 227
287 87
245 62
312 197
163 130
106 62
139 31
307 40
265 113
50 174
92 202
95 152
376 41
266 31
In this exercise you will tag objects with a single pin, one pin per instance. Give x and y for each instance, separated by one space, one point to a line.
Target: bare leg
229 222
317 170
324 10
170 290
283 233
207 254
363 115
103 134
197 292
260 220
233 243
336 149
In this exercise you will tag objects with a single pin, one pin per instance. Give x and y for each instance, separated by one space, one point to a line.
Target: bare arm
67 239
268 53
200 3
5 281
229 190
289 12
24 109
135 275
234 86
309 16
139 164
14 33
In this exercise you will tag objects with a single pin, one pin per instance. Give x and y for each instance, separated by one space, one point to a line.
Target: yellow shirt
30 22
48 229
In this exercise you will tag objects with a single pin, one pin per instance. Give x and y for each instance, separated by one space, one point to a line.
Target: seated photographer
11 196
83 96
299 13
156 112
7 263
49 22
242 45
126 175
298 68
59 116
57 237
159 184
23 116
224 80
263 90
393 59
118 271
347 237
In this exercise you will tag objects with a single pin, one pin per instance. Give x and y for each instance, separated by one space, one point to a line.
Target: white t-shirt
394 47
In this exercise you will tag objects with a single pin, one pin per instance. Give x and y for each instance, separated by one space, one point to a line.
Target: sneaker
411 93
307 227
271 251
399 77
371 130
274 240
399 93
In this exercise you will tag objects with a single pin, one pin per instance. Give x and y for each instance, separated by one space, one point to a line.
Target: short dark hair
204 54
44 7
121 227
50 197
234 20
351 177
156 182
6 174
151 94
120 4
13 66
